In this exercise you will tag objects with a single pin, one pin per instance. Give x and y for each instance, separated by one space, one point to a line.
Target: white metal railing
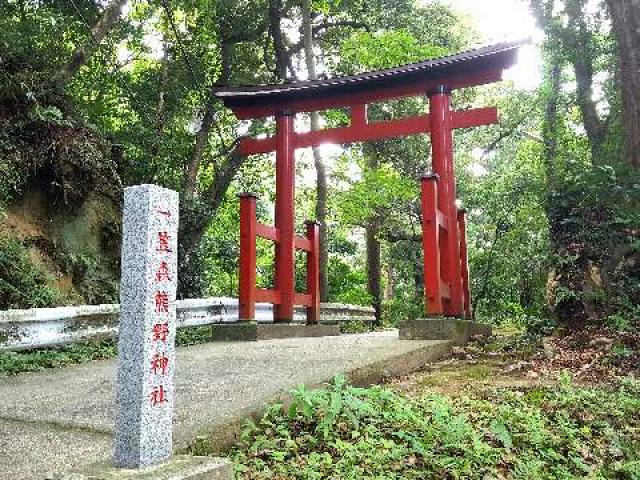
46 327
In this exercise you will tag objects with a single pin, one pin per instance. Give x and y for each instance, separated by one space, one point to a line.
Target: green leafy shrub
355 326
22 284
346 283
597 272
348 432
344 432
397 310
194 335
95 283
12 363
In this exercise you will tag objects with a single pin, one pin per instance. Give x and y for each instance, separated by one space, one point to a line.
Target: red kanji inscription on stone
163 242
163 272
159 364
160 331
158 395
162 302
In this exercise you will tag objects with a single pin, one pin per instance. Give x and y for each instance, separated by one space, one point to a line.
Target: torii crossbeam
445 263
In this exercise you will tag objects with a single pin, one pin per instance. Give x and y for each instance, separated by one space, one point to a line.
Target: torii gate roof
470 68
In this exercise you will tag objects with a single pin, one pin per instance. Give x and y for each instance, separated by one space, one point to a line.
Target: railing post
442 154
464 261
430 244
247 280
313 271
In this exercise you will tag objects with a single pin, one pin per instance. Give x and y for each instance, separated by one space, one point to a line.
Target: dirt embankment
76 247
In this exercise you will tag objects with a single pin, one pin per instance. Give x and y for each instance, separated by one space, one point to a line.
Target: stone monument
144 389
146 344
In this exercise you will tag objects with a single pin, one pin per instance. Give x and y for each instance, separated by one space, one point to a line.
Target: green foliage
26 66
62 158
597 221
355 326
42 135
373 51
502 190
193 335
399 309
12 363
347 276
221 250
347 284
22 284
618 322
382 189
94 283
344 432
50 114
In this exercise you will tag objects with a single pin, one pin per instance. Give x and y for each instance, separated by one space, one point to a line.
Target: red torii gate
445 257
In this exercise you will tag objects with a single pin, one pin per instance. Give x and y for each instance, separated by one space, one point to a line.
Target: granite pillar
144 388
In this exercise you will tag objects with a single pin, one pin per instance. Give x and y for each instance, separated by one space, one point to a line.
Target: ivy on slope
344 432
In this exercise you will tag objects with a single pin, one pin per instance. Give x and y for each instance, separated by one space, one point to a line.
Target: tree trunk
190 182
550 131
160 110
196 211
321 170
195 215
625 19
567 285
575 277
390 287
160 106
579 40
418 274
374 267
275 30
81 55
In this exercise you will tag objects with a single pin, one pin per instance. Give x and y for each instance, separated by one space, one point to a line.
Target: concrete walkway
51 422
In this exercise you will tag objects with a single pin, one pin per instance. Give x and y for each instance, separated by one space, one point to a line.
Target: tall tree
625 19
374 252
283 59
585 180
573 48
579 44
202 201
99 31
321 169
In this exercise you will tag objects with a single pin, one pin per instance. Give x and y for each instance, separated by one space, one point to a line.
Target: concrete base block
456 330
252 331
181 467
269 331
235 332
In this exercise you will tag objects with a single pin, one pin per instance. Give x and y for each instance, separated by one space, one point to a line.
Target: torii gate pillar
440 120
285 214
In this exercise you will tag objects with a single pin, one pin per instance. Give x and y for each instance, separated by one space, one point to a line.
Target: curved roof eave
455 71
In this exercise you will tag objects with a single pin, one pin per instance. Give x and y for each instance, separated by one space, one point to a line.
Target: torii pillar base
443 328
253 331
